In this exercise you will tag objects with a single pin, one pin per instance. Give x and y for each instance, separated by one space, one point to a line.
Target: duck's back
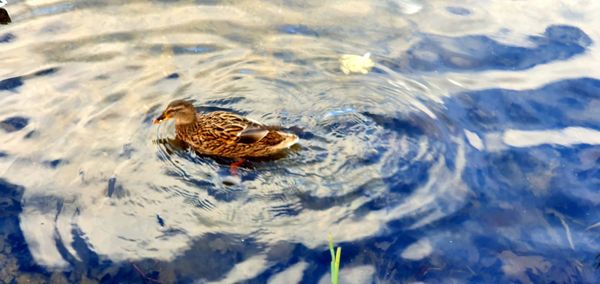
230 135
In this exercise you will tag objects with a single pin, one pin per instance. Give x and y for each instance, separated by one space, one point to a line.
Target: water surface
469 153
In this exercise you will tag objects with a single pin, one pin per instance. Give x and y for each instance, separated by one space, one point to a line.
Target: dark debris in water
4 17
14 123
173 76
230 182
32 134
112 186
102 77
160 220
45 72
54 163
298 30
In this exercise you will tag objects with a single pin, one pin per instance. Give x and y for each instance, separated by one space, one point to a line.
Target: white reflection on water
353 275
565 137
569 136
474 140
245 270
418 250
518 266
292 274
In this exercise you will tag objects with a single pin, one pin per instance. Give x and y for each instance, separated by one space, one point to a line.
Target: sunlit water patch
452 158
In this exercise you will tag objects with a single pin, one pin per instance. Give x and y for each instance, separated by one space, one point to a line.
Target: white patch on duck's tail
290 139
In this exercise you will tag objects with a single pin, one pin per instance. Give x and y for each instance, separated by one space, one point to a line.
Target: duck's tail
288 141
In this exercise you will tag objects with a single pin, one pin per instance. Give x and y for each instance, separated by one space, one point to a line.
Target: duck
225 134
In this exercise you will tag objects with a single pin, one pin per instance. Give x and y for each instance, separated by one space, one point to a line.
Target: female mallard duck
225 134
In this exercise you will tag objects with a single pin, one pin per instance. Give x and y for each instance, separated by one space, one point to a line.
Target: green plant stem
335 261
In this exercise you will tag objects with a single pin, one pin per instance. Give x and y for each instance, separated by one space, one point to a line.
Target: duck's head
183 112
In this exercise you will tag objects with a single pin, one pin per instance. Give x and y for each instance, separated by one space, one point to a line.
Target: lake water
470 152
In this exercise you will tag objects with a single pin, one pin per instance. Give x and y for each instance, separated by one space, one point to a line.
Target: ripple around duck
350 161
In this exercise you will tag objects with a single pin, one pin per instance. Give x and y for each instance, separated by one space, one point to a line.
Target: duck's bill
159 119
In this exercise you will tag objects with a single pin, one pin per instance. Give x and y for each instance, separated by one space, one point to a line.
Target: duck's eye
175 109
172 110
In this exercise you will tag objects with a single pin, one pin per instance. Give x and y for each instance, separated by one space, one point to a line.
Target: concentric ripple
370 148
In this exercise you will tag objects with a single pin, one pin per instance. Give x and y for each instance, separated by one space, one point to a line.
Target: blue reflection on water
461 11
7 37
14 123
15 244
479 52
298 29
556 105
10 84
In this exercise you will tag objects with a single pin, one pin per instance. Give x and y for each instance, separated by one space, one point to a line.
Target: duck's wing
232 128
252 135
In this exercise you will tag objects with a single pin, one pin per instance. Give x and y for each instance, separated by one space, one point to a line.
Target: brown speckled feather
229 135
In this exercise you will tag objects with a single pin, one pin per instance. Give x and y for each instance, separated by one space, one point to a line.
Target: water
469 153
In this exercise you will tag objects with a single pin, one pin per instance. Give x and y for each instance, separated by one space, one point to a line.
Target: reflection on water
454 157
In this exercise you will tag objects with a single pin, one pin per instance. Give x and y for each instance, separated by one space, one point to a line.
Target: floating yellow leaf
350 63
